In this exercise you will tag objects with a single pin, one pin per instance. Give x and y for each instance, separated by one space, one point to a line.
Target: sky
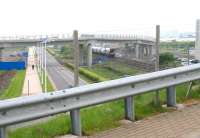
34 17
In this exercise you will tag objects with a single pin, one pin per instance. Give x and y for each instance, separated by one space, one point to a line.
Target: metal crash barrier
22 109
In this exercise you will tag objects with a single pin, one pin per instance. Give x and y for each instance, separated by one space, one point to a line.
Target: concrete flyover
143 47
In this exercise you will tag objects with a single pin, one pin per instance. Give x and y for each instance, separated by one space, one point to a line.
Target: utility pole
157 99
75 113
76 58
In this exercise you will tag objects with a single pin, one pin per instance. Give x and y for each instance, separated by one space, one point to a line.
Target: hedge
90 75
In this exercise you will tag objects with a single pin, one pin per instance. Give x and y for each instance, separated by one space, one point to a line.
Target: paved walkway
32 77
177 124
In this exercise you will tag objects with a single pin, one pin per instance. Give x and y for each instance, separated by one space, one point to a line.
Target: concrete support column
75 122
129 108
150 51
3 133
137 51
1 53
146 51
89 55
81 55
141 52
171 96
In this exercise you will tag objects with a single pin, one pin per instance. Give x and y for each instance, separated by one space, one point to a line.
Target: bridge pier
3 133
89 55
171 96
1 52
75 122
129 108
137 51
81 55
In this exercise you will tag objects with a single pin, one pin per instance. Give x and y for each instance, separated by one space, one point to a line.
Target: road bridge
143 47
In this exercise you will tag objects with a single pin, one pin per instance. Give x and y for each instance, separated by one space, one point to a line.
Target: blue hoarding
13 65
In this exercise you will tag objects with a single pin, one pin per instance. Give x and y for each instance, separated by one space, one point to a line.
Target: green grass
56 125
113 70
15 87
49 85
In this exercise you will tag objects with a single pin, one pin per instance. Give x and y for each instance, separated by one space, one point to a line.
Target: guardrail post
3 132
129 112
171 96
75 122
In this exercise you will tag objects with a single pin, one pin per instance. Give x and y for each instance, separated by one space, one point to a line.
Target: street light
44 63
45 44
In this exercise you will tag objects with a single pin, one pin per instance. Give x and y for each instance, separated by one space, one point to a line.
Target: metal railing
22 109
81 37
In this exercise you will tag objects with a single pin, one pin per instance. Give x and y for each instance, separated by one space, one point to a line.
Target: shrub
91 75
69 65
88 74
165 58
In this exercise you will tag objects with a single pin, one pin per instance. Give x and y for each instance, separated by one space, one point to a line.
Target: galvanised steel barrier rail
22 109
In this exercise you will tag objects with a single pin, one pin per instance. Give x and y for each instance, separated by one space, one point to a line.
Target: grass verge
15 87
49 85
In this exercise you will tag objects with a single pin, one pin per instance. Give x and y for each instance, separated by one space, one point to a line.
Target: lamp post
42 58
45 67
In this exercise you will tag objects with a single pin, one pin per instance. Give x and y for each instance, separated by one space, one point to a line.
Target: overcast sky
26 17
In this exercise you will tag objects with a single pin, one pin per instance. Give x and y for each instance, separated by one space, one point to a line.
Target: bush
91 75
66 51
166 58
69 65
88 74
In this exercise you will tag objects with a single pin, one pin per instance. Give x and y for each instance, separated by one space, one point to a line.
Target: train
103 50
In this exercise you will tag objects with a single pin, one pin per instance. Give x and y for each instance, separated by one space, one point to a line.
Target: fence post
76 122
3 132
129 111
171 96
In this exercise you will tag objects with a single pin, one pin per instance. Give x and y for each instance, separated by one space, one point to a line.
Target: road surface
62 77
